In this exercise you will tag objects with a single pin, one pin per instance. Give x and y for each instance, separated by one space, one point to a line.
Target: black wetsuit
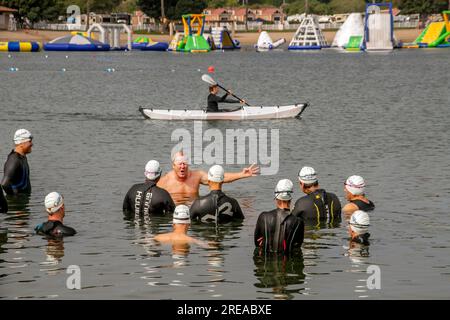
54 229
16 174
213 102
3 202
216 204
364 206
147 199
280 231
318 205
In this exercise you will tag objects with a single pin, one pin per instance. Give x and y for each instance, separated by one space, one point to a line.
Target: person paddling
214 99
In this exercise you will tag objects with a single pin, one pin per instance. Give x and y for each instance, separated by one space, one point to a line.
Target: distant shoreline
245 38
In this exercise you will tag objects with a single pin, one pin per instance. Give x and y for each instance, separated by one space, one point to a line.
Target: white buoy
67 57
46 56
63 69
9 56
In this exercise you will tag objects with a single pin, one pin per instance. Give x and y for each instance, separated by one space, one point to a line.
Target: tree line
50 10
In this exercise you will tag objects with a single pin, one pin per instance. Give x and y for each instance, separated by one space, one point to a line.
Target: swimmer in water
279 231
178 237
54 205
16 176
183 184
354 188
147 198
317 204
216 206
359 227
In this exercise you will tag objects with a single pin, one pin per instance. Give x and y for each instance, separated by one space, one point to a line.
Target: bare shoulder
200 176
165 179
349 208
162 237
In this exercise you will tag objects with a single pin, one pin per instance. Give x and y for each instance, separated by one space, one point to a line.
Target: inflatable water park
308 36
351 34
265 42
20 46
435 35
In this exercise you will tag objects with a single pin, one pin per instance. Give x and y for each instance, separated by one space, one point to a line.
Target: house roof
5 9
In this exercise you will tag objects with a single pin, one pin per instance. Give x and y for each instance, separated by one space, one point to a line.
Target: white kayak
242 113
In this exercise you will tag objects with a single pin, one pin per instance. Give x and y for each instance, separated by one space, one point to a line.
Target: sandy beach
246 38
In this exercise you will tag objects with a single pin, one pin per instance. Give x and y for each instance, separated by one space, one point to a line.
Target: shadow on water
282 275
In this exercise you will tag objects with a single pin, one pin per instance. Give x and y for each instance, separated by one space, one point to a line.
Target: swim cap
216 173
22 135
181 215
355 185
53 202
152 170
307 175
283 190
359 222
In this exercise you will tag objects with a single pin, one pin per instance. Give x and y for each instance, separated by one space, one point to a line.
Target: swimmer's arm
9 170
259 234
251 171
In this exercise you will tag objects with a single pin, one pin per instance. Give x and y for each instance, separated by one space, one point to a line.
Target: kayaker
54 205
214 99
318 204
354 188
183 184
147 198
278 231
216 206
16 176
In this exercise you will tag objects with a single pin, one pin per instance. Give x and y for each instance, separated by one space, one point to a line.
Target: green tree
347 6
423 6
314 7
189 6
35 10
152 8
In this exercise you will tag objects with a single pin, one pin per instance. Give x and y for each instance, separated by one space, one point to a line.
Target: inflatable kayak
241 113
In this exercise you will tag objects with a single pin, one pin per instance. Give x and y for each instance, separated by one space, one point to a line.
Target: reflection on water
358 254
282 275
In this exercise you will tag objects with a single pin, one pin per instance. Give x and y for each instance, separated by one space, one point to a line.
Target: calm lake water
382 116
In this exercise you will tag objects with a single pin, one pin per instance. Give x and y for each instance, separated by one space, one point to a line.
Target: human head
181 216
180 165
283 193
359 223
213 89
54 205
152 170
23 141
307 177
216 175
354 186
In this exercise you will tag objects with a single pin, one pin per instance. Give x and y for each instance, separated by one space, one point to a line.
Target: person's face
181 168
26 146
215 90
348 195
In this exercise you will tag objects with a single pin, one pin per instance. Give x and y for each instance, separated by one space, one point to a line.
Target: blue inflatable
156 46
76 43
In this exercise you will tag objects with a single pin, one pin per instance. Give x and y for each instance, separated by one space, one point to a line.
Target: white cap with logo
22 135
53 202
307 175
359 222
181 215
216 173
152 170
284 189
355 185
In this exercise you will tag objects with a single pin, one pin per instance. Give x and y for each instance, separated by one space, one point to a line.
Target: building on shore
5 18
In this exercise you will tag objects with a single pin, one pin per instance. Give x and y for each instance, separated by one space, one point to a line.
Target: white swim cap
355 185
53 202
22 135
181 215
284 189
307 175
216 173
359 222
152 170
